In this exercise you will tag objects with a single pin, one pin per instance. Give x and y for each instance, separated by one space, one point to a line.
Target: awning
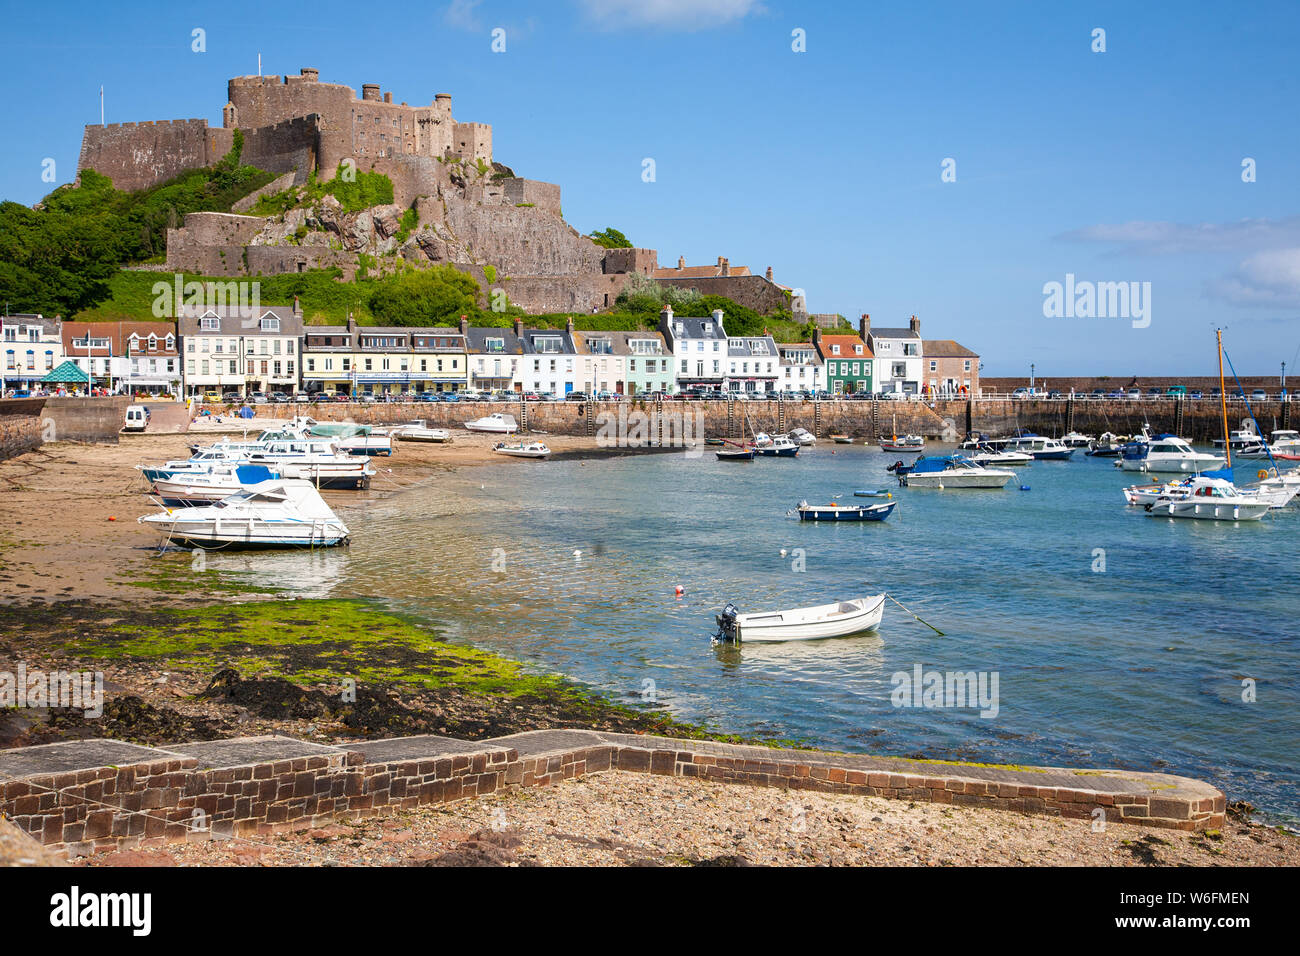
68 372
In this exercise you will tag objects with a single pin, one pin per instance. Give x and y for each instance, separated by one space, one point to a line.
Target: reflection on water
1140 665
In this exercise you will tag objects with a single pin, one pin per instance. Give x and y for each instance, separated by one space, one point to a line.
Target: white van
137 417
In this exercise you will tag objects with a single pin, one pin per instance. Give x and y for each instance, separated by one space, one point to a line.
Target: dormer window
210 323
835 350
270 324
857 350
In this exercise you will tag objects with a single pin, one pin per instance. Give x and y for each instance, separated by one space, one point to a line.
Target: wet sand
69 510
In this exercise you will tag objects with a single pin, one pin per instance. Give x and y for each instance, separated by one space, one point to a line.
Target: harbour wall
1197 420
84 419
20 426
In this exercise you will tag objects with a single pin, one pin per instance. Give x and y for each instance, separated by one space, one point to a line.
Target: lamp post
1283 380
1031 378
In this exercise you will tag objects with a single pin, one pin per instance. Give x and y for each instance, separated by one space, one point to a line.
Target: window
835 350
270 324
965 366
933 366
495 345
210 323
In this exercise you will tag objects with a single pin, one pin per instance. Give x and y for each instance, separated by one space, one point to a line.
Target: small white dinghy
839 619
419 431
533 449
496 422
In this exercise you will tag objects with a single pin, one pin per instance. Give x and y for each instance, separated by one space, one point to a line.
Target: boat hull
1171 466
803 624
847 513
779 452
1209 510
956 480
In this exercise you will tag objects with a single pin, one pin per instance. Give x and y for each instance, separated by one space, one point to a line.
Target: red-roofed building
849 363
127 357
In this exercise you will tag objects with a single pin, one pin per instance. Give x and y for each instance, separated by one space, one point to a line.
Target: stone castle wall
753 292
288 146
140 155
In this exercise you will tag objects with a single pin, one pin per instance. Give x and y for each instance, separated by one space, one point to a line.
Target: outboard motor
727 623
895 466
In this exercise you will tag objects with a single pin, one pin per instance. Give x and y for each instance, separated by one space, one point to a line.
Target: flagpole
101 105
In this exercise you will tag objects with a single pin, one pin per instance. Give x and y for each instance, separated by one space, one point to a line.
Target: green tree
610 238
437 296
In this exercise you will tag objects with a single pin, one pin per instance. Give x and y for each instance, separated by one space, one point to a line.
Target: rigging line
1249 411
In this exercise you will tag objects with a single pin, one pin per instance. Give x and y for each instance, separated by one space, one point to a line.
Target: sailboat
1211 495
908 443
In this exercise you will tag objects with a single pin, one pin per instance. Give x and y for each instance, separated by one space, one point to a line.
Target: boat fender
679 590
1024 487
1261 474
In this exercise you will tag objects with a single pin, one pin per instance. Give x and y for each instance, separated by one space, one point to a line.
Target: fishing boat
1166 454
419 431
908 443
213 485
838 512
1106 445
1244 443
841 439
802 437
532 449
778 447
1209 498
837 619
496 422
953 471
735 454
278 513
715 441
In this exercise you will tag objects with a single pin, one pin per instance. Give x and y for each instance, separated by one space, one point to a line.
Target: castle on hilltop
473 213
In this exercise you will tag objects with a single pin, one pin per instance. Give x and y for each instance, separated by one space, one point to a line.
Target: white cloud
1162 238
668 14
1270 278
460 14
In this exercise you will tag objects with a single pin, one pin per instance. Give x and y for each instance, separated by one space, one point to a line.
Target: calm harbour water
1139 666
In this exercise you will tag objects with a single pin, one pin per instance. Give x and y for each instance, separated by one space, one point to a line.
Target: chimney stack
568 325
681 262
864 326
519 328
388 97
726 266
464 325
297 307
769 273
817 336
915 325
370 91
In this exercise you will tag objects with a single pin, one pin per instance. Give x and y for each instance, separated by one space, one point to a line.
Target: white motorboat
496 422
1209 499
838 619
533 449
1037 446
1000 459
218 482
284 513
1284 441
952 471
419 431
1076 440
1141 495
803 437
1167 454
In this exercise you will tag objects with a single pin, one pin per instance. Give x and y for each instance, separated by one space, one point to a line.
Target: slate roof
886 333
946 348
476 341
234 322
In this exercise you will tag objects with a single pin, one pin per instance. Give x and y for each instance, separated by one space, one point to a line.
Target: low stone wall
84 419
90 795
859 419
21 427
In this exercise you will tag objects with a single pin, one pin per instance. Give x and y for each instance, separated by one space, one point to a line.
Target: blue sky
1115 166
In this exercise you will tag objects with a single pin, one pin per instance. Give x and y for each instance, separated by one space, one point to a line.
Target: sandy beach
70 510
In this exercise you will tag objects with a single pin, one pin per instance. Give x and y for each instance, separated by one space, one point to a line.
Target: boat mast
1223 402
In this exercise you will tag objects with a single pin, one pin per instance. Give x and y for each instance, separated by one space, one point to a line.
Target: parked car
1021 393
1258 395
280 398
1153 393
1054 394
1176 391
342 397
1196 393
1134 393
576 397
